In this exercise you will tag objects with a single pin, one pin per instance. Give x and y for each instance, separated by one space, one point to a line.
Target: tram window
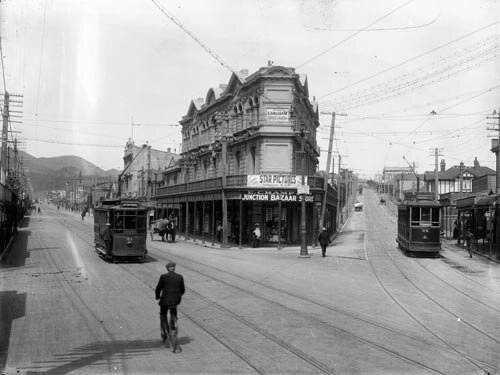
415 216
141 221
435 217
118 224
130 222
426 215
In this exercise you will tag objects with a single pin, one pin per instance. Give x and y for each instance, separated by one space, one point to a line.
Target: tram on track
120 229
419 225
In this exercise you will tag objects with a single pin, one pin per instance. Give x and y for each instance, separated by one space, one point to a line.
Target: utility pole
338 216
496 116
437 153
5 129
461 178
328 162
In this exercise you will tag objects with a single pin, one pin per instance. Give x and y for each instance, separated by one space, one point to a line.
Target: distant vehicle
419 226
358 206
120 229
382 201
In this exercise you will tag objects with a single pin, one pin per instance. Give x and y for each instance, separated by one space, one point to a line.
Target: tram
419 225
120 229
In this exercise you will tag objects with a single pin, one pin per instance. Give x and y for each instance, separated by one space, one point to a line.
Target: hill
56 172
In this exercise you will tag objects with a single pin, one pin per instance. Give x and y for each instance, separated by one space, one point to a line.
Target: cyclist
169 292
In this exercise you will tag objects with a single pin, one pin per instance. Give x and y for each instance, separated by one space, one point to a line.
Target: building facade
457 179
249 157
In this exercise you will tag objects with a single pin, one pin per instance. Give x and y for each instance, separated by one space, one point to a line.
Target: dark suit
324 240
170 289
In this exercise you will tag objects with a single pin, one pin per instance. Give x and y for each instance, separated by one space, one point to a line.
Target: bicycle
169 331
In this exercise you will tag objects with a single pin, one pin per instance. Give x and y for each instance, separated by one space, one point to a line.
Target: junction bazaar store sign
275 196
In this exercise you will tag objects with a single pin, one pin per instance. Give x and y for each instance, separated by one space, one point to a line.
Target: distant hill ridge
53 173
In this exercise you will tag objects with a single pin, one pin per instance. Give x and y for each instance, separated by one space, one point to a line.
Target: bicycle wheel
173 334
164 328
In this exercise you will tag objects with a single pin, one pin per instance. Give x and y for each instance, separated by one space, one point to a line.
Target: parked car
358 206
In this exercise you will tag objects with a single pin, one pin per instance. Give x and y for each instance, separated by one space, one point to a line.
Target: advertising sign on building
278 114
273 180
275 196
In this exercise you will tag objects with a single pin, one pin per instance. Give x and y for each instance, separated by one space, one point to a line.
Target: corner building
249 156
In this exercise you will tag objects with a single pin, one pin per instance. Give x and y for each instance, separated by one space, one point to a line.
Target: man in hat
169 292
256 236
324 240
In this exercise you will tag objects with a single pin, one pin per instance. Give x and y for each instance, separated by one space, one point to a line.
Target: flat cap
170 264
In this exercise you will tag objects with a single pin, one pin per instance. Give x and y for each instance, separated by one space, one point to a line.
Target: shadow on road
17 254
12 306
110 352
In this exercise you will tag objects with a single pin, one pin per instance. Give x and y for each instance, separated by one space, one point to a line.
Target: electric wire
411 59
353 35
444 69
384 29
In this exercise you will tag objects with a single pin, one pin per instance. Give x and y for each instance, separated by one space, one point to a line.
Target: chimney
443 165
476 162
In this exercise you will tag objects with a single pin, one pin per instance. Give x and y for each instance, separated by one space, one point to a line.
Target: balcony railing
215 184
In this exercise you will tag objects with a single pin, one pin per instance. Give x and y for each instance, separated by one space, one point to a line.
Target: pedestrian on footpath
468 239
324 240
256 236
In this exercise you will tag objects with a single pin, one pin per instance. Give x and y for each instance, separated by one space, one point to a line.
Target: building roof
453 173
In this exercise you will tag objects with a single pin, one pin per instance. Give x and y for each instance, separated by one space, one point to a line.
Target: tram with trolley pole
419 225
120 229
419 222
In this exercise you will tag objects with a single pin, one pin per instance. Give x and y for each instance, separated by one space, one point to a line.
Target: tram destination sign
275 196
275 180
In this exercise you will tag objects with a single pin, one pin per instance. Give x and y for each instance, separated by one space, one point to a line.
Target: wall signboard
275 180
278 114
275 196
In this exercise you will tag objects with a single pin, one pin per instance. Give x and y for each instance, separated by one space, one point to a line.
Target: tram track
323 368
280 342
385 246
88 317
391 218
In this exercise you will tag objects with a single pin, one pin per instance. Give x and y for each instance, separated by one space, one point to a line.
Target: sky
404 77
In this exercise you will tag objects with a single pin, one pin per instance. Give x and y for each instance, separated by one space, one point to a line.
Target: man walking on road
324 240
169 292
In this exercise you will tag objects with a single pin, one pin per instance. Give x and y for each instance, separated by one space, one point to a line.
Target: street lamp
302 229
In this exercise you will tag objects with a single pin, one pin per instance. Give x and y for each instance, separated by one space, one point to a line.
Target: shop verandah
478 216
198 210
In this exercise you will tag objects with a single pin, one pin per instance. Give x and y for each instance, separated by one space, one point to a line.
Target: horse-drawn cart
160 227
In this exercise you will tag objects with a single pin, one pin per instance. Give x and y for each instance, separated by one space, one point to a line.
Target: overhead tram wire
379 92
423 76
354 34
410 59
443 110
204 45
384 29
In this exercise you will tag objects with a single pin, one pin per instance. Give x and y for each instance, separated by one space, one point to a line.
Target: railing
216 184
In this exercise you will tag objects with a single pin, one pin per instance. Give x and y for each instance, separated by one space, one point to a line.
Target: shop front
277 212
